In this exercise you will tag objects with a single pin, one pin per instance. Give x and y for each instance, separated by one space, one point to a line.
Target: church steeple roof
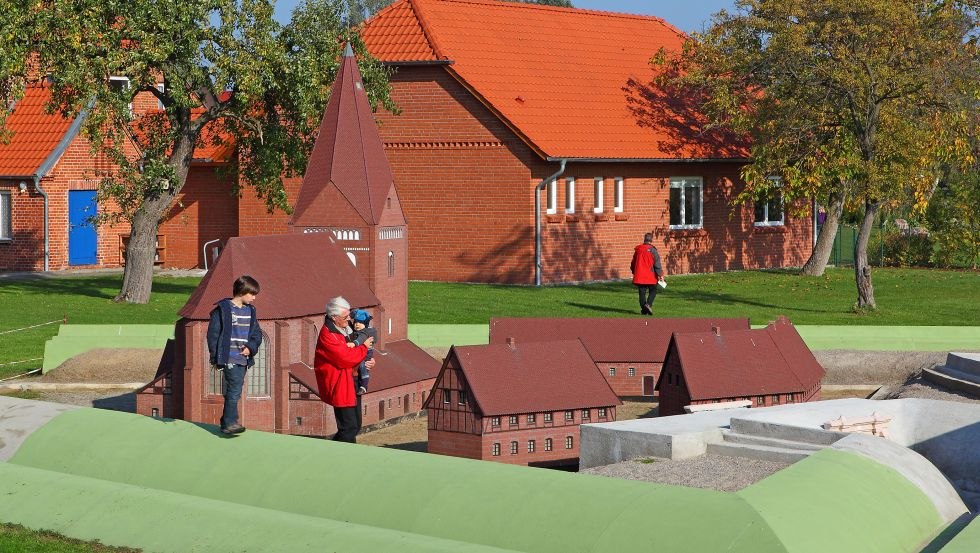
348 157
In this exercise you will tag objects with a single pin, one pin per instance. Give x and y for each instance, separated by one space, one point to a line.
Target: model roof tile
36 134
528 377
609 340
297 273
402 362
574 83
745 363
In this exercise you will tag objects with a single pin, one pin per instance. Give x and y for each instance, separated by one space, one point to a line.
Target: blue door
83 242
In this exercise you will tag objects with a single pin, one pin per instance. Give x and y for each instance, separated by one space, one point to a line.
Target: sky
688 15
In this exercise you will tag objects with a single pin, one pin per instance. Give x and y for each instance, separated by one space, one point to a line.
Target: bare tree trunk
817 264
862 271
141 252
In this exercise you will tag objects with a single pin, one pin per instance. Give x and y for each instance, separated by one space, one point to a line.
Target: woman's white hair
336 306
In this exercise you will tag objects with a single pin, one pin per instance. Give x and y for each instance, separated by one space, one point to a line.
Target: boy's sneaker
361 390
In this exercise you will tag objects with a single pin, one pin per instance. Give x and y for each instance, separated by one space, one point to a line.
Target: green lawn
20 539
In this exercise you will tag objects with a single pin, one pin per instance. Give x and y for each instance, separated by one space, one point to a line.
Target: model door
83 241
648 385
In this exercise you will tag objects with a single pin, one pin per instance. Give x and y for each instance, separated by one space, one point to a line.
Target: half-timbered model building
349 240
764 367
628 352
518 402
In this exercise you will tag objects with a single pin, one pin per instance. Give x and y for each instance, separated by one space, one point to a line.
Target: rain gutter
537 218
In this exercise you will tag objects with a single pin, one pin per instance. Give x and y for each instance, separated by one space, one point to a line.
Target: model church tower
348 190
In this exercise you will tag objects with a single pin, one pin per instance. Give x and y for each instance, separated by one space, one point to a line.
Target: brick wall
623 384
204 210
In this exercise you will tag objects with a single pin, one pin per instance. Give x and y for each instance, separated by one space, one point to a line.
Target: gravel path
713 472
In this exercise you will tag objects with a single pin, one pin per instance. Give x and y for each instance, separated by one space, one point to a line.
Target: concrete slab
19 418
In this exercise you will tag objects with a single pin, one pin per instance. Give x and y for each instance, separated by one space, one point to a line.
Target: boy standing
233 338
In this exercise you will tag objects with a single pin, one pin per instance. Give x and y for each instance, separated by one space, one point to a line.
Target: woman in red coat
334 366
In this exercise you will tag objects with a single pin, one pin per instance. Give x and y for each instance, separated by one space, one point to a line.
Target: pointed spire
348 51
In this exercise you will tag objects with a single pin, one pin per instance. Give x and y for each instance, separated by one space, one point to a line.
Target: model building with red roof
517 402
628 352
766 366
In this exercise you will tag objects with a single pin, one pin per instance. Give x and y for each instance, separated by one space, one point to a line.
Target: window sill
601 217
571 218
763 228
622 217
555 218
683 232
6 240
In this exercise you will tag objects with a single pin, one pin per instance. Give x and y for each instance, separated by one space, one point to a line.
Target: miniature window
513 448
612 371
447 397
391 264
618 195
602 412
569 442
759 400
570 195
586 414
6 229
789 398
258 374
530 446
769 206
631 371
547 444
547 417
461 397
569 415
495 421
686 199
552 205
597 195
389 403
496 450
364 412
513 420
532 418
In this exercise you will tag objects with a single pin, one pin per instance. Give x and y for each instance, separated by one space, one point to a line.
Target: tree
221 70
850 101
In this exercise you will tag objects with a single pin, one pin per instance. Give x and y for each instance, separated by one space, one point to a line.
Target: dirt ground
112 366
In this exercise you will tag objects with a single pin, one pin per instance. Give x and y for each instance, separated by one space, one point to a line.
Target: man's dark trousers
648 293
348 422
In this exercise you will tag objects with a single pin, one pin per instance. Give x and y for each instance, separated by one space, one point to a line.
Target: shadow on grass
96 287
721 298
421 447
603 309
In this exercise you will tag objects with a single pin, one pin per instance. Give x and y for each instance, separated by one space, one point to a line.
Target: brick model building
628 352
48 182
350 241
766 366
517 402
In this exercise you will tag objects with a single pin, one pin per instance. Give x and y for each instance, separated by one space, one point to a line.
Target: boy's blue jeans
234 376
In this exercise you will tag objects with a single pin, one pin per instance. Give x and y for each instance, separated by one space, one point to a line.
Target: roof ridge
545 7
427 31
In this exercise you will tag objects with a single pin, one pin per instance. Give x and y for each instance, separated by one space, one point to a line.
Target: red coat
646 265
334 364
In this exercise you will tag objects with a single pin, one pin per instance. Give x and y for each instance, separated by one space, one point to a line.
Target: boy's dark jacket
219 334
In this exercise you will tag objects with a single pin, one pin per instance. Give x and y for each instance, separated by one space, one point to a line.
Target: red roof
573 83
297 273
36 134
609 340
348 158
401 362
745 363
531 377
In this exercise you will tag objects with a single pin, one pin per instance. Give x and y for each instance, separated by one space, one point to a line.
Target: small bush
900 250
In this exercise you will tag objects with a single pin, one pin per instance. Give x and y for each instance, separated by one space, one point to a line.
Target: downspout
47 234
537 219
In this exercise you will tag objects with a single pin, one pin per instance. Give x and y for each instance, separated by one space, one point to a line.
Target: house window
391 264
461 397
6 229
569 415
548 443
513 420
160 105
447 397
686 194
586 414
602 412
769 206
547 417
618 189
530 446
495 422
120 85
570 195
552 205
495 450
631 371
532 419
597 195
569 442
612 371
513 448
789 398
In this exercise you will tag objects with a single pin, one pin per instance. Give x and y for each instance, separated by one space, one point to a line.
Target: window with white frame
530 446
512 420
513 448
495 422
120 85
686 202
586 414
548 444
598 195
618 190
552 202
631 371
602 412
612 371
160 105
547 417
569 442
769 205
532 419
569 415
570 195
6 229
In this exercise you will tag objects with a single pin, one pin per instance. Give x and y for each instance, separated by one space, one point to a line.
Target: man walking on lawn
646 272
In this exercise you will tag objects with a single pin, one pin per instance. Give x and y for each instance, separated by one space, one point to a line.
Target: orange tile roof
574 83
36 134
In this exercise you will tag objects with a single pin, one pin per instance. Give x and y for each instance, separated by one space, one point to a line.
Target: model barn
517 402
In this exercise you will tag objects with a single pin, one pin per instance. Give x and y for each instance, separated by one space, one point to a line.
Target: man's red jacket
646 265
334 365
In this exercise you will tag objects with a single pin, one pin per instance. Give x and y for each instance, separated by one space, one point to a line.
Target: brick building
48 182
628 352
500 98
350 240
519 402
766 366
